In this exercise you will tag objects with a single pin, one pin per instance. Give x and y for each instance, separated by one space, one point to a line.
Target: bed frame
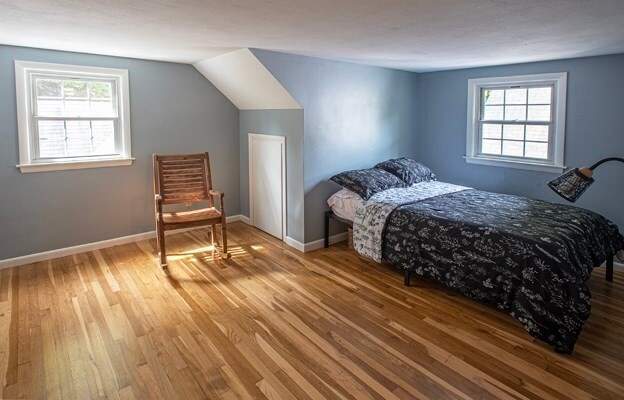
406 273
330 215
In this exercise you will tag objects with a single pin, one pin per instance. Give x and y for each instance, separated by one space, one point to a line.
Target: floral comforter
528 257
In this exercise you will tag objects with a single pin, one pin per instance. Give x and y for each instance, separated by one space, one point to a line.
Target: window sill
527 165
58 166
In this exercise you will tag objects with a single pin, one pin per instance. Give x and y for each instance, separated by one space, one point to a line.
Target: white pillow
337 198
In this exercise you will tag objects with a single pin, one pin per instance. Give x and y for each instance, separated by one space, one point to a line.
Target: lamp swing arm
599 163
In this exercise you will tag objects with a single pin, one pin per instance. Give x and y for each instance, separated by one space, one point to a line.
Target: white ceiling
418 35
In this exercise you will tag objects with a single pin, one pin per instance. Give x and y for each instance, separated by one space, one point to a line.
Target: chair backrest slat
183 178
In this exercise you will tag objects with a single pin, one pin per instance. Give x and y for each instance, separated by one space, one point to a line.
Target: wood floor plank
274 323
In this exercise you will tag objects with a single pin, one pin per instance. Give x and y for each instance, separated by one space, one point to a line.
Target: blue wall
354 117
288 123
594 130
173 108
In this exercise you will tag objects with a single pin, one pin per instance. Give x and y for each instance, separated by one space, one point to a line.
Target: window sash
33 95
526 104
550 142
36 140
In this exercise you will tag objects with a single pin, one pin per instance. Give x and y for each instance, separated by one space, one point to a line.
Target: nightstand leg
327 229
609 274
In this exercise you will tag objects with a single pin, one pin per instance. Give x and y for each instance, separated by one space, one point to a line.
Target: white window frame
24 71
557 143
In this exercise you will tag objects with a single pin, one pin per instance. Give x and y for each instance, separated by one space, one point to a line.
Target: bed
528 257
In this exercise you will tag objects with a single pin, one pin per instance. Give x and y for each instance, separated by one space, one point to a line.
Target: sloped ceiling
241 77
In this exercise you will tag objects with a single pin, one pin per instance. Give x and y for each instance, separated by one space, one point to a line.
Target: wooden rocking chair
186 179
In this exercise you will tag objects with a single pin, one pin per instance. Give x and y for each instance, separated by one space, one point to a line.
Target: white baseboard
294 243
68 251
317 244
243 218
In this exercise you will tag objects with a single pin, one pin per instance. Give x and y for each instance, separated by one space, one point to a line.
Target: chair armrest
221 196
158 203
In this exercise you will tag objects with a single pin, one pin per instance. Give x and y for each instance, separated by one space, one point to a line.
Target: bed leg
609 274
406 277
326 243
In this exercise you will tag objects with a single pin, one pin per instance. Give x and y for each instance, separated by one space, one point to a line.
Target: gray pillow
367 182
408 170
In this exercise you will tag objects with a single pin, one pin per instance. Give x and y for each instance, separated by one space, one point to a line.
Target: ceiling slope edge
246 82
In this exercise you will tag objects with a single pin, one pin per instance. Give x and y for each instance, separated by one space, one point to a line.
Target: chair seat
185 217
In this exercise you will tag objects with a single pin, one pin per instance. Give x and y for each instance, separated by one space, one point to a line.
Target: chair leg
225 253
215 240
161 246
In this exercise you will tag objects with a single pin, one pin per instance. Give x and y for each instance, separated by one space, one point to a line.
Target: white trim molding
497 162
555 162
294 244
317 244
78 164
29 161
82 248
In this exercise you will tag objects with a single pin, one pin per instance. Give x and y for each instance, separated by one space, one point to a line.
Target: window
517 121
71 117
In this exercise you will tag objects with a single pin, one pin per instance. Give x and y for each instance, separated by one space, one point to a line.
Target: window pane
538 133
103 137
51 139
515 132
491 146
49 96
492 97
494 113
50 107
512 148
100 90
101 98
75 89
76 108
49 88
536 150
539 113
78 138
515 113
540 95
515 96
491 131
74 98
59 139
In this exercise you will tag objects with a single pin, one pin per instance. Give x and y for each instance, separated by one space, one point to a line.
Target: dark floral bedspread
528 257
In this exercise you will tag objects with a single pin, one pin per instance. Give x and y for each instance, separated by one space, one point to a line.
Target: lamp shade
571 185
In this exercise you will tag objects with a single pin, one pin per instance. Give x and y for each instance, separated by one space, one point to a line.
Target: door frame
282 141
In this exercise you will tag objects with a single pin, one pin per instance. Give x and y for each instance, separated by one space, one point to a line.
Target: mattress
344 203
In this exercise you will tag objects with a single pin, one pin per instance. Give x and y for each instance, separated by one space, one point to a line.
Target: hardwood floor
272 322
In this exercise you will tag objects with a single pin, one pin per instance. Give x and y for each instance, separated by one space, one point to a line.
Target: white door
267 195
